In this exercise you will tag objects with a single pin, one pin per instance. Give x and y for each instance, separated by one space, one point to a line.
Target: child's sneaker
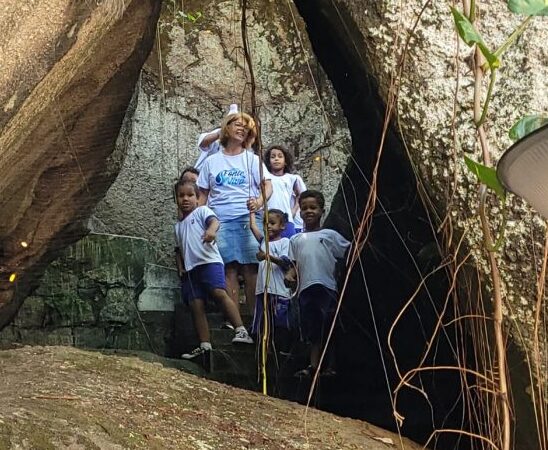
242 337
328 372
307 372
226 325
198 351
201 355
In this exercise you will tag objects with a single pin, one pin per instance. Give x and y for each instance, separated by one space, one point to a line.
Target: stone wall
103 292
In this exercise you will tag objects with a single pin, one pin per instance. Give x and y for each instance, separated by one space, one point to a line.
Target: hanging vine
487 62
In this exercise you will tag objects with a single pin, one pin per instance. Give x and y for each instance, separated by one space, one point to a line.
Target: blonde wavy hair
249 124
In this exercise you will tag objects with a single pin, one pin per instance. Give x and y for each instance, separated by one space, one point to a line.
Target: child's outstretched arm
210 232
254 228
290 277
283 262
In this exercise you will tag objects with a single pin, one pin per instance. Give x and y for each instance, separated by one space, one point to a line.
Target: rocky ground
62 397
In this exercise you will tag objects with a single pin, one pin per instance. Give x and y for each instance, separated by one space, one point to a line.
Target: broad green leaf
526 125
470 36
191 17
529 7
487 176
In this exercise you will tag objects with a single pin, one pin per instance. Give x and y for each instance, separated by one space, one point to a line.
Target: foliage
192 17
526 125
487 176
471 36
174 16
529 7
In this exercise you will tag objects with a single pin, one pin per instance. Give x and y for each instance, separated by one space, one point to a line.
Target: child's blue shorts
278 312
201 280
317 307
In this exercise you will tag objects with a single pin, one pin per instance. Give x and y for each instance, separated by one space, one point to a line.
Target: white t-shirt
231 181
211 149
188 235
301 187
315 254
282 190
276 284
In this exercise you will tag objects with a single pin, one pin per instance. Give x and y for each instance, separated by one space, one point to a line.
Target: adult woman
229 183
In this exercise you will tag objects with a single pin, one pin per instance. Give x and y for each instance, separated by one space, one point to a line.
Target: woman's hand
261 256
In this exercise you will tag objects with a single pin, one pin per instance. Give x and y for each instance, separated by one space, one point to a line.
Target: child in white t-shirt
270 280
285 185
315 253
201 267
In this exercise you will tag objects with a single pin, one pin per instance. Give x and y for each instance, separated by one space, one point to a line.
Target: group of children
296 258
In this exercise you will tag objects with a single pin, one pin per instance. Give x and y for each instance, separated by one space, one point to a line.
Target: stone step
237 360
221 336
244 381
216 319
180 364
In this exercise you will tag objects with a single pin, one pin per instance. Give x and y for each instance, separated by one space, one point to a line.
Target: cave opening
400 252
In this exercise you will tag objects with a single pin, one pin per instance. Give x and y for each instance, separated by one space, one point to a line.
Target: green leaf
526 125
191 17
471 36
529 7
487 176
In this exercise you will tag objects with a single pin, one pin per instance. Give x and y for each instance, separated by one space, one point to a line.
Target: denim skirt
236 241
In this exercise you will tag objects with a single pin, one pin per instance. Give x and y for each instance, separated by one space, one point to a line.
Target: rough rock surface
199 67
425 111
109 402
65 85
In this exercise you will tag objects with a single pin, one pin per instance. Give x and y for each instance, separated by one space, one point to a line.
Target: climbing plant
488 61
175 15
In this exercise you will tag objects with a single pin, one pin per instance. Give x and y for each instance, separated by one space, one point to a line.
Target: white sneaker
198 351
226 325
242 337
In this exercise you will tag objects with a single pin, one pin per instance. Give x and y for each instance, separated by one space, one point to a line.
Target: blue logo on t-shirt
233 177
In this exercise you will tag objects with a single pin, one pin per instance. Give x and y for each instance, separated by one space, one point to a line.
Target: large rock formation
436 82
110 402
429 108
195 71
66 79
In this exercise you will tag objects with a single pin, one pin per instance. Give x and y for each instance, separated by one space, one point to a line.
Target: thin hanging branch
259 151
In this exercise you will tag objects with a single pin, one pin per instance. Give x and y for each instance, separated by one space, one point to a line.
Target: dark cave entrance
400 250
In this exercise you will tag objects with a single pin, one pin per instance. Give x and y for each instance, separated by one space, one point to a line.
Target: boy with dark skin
200 266
315 253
